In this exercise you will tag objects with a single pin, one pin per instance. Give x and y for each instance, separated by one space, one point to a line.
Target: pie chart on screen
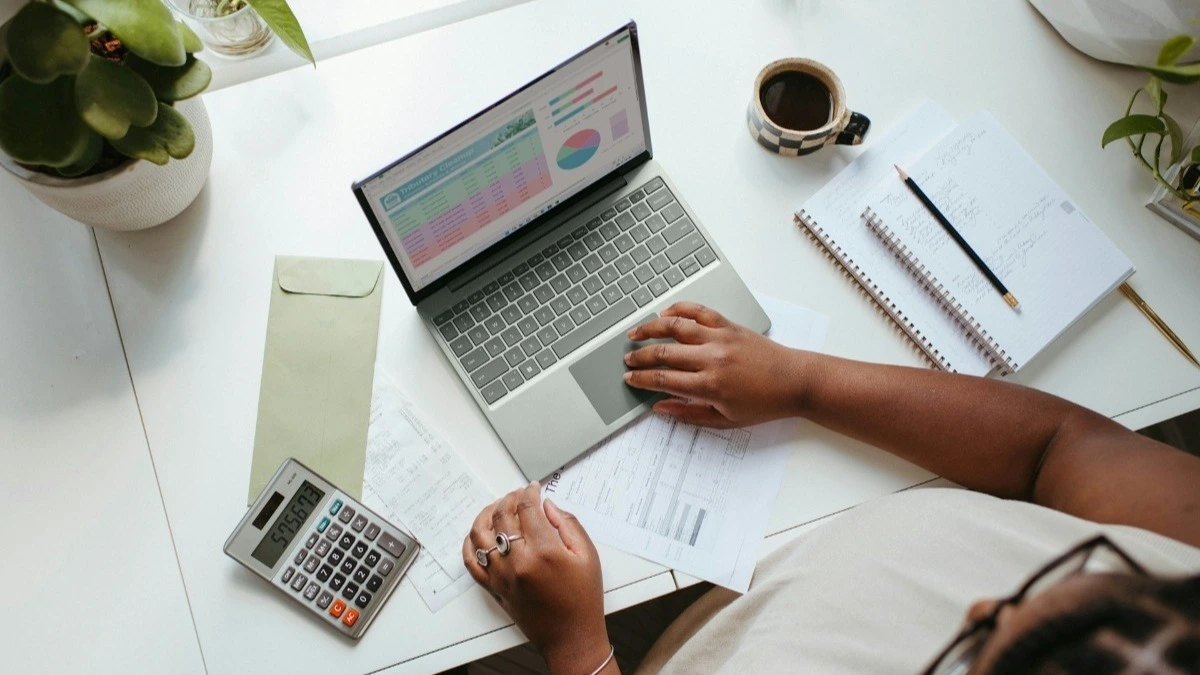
578 149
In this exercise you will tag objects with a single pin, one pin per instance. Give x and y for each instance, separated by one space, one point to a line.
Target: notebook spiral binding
870 290
975 332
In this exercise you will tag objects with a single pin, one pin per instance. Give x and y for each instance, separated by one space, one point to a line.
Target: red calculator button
351 617
338 608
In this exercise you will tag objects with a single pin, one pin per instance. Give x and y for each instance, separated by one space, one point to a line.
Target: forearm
984 434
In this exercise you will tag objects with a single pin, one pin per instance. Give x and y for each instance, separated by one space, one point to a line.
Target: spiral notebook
1036 239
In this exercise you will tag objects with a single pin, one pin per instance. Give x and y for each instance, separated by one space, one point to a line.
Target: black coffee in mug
796 100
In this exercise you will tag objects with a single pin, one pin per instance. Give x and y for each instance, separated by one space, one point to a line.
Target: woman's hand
549 582
722 374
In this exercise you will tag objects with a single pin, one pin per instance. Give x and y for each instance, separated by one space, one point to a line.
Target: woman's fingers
677 382
679 329
569 528
667 354
693 412
532 518
478 572
504 516
698 313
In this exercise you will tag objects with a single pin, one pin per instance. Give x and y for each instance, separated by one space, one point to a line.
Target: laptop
534 235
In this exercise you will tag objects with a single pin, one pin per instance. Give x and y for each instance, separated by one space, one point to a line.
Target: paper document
693 499
425 485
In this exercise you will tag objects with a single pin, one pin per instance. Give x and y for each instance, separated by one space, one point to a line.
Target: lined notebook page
837 209
1055 261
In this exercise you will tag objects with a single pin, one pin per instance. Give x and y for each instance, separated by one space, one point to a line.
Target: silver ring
504 542
481 556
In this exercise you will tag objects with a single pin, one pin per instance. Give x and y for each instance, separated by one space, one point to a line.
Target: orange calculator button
350 618
338 608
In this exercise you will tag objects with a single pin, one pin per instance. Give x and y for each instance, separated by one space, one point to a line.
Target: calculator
322 548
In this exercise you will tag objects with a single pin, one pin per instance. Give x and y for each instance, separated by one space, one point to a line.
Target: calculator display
288 524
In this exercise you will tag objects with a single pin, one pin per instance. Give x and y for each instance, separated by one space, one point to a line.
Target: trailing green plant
1149 132
86 85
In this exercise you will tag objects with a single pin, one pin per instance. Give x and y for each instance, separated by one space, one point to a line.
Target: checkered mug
802 93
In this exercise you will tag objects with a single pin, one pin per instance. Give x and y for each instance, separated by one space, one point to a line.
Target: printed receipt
414 479
696 500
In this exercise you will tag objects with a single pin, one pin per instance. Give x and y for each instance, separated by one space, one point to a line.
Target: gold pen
1158 323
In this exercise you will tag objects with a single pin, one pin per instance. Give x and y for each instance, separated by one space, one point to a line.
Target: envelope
314 403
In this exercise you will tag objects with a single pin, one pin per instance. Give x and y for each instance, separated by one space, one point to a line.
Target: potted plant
99 115
1157 141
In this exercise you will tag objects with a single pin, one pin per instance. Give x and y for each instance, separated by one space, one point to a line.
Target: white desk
191 296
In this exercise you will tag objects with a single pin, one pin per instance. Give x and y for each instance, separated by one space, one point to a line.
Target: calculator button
312 540
324 573
336 582
375 582
372 532
287 574
325 599
350 591
361 574
322 525
360 549
359 523
347 541
338 608
323 547
335 556
385 567
372 558
348 566
312 590
334 532
363 599
300 556
351 617
346 514
310 565
335 507
391 544
298 582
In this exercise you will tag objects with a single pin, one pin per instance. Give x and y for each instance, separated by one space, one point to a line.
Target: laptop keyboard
555 301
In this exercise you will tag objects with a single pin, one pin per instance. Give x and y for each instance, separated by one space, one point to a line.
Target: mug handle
855 131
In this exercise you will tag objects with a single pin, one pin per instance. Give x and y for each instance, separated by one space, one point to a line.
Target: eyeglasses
958 657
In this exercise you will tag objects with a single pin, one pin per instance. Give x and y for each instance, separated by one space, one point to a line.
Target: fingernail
533 483
628 358
632 334
628 377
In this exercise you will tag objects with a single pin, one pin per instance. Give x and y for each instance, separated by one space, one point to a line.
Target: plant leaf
1157 95
1175 74
87 161
191 41
1174 48
111 97
44 42
170 136
173 84
146 27
1132 125
38 122
279 17
1176 134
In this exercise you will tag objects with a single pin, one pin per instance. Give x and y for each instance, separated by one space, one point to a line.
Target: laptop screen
496 173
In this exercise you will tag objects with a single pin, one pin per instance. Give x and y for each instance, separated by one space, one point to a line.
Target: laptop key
593 223
641 211
443 317
610 230
636 196
609 213
624 265
547 335
576 273
511 314
659 264
684 247
550 250
494 347
529 281
545 271
625 221
673 276
463 322
535 260
478 334
475 297
611 294
705 256
505 279
531 346
657 286
491 287
596 304
561 261
546 358
513 291
608 274
642 296
520 269
689 266
653 185
577 251
624 242
640 233
461 306
591 263
494 324
544 315
579 315
461 346
479 312
592 285
514 357
511 336
593 241
640 254
527 304
496 302
563 325
607 253
627 284
583 334
561 283
676 231
579 232
671 212
643 273
527 326
561 305
543 293
448 331
657 201
564 242
621 204
475 359
529 368
576 295
512 379
493 392
655 223
656 244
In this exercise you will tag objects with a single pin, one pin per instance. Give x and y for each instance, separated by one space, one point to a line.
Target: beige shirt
884 587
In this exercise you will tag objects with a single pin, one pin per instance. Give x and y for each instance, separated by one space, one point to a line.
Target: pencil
962 243
1158 323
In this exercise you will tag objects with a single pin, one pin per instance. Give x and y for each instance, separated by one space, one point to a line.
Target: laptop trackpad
601 376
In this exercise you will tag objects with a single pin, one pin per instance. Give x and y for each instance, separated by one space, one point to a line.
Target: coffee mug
799 107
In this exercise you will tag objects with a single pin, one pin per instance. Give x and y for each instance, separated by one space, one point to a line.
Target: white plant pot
135 195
